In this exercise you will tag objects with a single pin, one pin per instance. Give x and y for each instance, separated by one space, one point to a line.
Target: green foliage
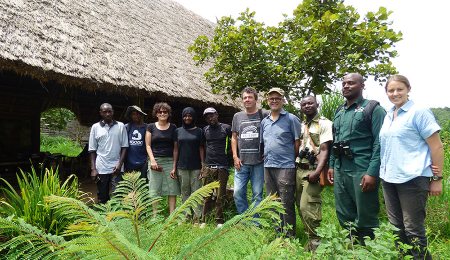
60 144
336 243
438 208
106 231
268 211
179 214
442 115
330 103
303 54
134 200
56 118
28 240
28 203
280 248
103 234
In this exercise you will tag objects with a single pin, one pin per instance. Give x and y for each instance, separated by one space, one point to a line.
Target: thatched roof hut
131 47
79 54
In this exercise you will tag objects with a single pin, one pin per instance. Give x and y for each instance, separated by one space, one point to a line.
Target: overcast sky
424 52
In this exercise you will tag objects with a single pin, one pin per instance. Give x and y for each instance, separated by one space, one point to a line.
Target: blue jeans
254 174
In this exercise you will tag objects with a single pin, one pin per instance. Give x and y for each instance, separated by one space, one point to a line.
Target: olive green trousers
309 203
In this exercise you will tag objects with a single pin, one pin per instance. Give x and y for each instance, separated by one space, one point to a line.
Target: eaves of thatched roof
128 46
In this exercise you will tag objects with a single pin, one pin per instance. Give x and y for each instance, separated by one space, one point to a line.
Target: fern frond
107 243
267 251
132 195
29 242
75 212
196 198
268 210
117 214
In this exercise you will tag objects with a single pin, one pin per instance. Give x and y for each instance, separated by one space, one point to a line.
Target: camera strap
311 141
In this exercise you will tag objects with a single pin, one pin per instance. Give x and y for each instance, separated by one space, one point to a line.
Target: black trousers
103 183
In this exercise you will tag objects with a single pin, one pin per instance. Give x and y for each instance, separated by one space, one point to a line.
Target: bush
338 244
28 204
56 118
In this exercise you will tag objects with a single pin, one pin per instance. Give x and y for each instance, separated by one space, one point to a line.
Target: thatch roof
131 46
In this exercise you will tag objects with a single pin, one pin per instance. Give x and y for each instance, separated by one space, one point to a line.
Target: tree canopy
304 54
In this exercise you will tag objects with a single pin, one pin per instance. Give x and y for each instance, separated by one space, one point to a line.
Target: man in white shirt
108 143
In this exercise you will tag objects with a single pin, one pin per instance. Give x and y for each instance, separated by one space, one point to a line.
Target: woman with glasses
162 148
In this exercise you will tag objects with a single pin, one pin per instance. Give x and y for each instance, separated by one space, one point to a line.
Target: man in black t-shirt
217 143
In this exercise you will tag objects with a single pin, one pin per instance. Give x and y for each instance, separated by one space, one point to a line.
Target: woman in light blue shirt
412 158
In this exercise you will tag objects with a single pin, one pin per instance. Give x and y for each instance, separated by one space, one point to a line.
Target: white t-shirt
107 141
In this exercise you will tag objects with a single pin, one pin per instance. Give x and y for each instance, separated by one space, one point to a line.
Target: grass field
60 145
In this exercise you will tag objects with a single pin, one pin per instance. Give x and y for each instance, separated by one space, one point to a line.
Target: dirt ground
88 186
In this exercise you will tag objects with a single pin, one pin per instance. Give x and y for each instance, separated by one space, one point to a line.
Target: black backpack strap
260 115
335 112
368 111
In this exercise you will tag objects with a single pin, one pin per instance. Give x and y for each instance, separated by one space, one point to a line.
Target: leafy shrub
337 243
56 118
28 203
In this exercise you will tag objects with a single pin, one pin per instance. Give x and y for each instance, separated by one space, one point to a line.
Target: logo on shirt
250 132
136 138
136 135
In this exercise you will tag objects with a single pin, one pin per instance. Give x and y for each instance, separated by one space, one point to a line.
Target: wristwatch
436 178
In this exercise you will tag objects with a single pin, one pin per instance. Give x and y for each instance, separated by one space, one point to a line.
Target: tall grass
438 208
60 144
330 102
28 202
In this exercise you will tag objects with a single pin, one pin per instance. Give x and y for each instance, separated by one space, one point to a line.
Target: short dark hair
309 96
250 90
157 107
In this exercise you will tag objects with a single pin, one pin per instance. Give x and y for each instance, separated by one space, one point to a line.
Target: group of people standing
360 149
176 161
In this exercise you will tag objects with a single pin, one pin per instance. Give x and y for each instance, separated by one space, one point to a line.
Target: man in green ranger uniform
355 159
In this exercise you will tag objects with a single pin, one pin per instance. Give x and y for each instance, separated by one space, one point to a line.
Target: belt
216 167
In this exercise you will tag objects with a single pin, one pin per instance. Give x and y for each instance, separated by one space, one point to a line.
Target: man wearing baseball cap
136 159
217 145
280 136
